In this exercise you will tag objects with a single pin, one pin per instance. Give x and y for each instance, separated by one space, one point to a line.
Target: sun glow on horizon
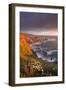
45 32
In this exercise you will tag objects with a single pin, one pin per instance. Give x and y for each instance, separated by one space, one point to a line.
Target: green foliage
33 67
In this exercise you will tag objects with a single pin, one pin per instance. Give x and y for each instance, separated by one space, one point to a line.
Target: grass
34 67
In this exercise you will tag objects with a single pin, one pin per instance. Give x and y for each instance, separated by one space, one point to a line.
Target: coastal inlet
38 55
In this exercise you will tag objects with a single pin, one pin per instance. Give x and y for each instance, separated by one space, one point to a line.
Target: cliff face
35 53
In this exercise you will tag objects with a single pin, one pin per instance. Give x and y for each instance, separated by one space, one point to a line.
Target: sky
39 23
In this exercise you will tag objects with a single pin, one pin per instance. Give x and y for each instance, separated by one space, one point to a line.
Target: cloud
46 21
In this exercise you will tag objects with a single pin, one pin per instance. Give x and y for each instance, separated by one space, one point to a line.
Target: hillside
30 64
